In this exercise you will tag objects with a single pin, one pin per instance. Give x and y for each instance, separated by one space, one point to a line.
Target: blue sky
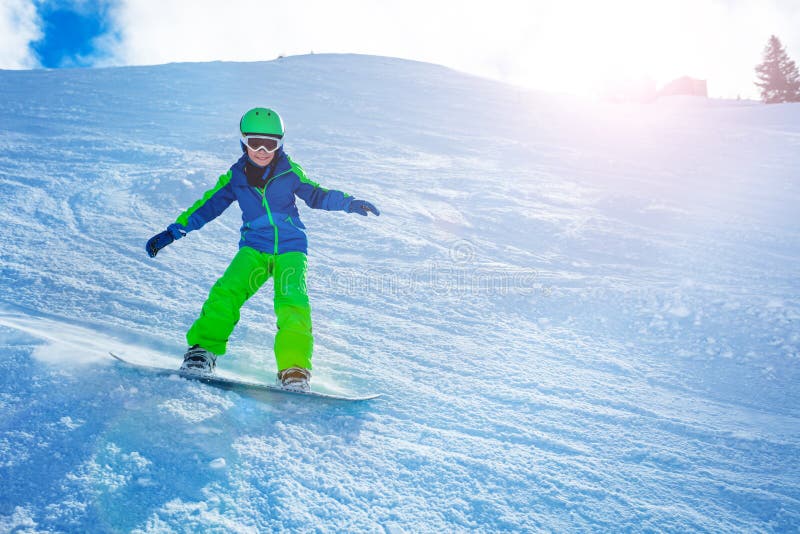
68 33
575 46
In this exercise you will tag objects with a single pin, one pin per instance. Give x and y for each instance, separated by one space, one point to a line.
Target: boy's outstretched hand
362 207
157 242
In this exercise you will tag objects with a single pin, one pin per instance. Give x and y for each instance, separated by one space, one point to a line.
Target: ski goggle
267 143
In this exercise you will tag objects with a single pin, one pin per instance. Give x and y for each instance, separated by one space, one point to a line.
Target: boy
273 243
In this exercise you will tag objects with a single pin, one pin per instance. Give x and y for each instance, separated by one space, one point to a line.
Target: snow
582 316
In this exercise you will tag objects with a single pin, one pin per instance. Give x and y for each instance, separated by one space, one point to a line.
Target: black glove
362 207
157 242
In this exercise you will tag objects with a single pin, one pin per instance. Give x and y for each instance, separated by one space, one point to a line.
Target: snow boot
199 360
295 379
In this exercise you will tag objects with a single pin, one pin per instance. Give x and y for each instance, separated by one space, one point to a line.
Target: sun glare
589 47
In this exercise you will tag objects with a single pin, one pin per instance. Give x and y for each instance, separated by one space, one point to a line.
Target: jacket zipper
269 211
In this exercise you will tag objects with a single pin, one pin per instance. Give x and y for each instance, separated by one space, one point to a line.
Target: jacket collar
281 162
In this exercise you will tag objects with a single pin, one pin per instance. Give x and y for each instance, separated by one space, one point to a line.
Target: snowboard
236 385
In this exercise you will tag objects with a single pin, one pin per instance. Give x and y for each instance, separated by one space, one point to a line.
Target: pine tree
777 75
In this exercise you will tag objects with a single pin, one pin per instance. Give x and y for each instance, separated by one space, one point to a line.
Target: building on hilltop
685 85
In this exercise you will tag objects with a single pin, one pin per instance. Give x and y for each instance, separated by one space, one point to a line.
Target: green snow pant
247 272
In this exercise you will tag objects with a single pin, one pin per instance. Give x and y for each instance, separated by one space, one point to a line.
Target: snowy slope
582 316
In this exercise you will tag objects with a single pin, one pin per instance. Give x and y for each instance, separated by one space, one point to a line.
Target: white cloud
19 26
566 45
256 30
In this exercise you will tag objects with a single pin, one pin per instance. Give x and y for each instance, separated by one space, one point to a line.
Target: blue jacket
270 220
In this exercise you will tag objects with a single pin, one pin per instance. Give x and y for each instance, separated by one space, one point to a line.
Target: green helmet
262 121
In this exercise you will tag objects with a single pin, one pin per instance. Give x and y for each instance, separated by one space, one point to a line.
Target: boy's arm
214 202
318 197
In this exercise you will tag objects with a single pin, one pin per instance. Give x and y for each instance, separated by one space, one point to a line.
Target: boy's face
260 157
